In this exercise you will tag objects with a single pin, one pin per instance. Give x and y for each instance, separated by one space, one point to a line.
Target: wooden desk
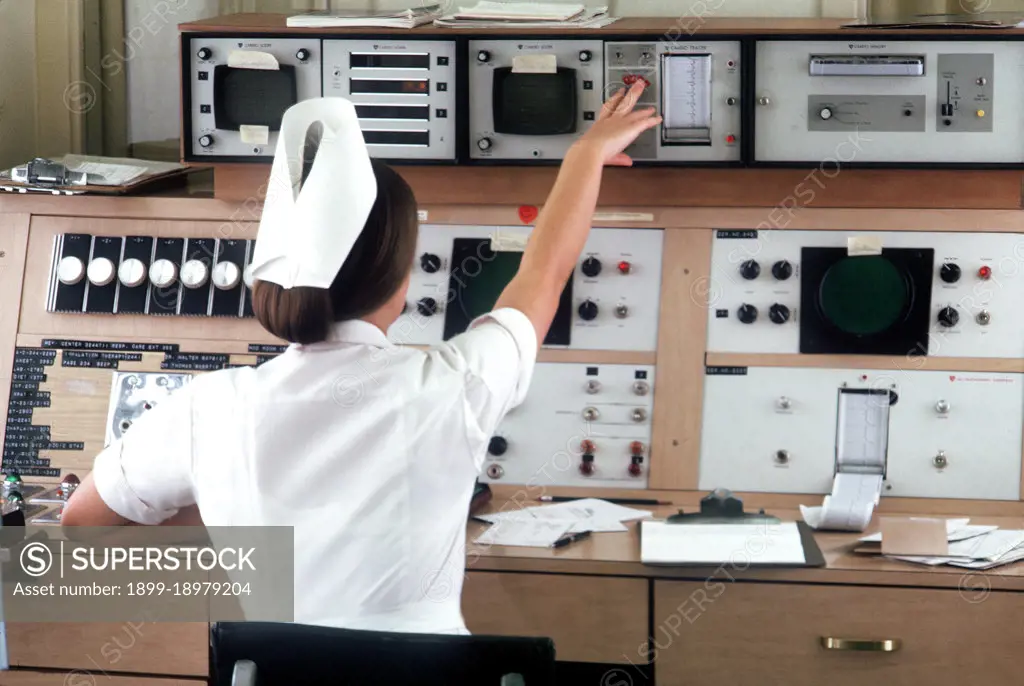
735 624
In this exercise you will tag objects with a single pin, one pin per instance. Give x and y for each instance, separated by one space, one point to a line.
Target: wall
17 82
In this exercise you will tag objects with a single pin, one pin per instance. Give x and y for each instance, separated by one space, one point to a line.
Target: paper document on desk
587 514
763 543
526 533
978 552
956 530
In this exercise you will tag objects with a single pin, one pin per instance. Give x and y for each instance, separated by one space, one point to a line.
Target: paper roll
253 59
849 507
863 245
508 242
534 64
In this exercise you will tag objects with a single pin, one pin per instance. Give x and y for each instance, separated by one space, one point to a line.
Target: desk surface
618 554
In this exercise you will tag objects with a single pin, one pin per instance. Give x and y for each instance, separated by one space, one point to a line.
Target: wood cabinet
718 632
85 678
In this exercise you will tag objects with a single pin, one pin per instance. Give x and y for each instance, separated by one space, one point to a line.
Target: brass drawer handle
890 645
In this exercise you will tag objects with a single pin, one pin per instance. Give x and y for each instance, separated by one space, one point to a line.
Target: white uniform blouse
369 450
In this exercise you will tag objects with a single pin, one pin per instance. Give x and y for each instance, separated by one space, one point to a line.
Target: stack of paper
971 547
534 526
527 15
760 543
397 19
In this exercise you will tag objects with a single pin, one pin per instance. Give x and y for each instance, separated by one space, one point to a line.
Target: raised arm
562 228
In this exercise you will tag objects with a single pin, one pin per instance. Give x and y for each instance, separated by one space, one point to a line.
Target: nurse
368 449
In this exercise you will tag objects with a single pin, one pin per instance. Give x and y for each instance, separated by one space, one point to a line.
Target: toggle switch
591 414
641 388
592 387
638 414
942 407
783 403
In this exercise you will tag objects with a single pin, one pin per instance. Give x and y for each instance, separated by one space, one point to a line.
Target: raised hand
618 126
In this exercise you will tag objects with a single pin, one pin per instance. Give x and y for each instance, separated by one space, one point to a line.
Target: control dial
70 271
132 273
497 445
747 314
204 53
302 55
591 267
226 275
586 55
430 262
163 273
948 317
247 277
101 271
206 140
588 310
949 272
750 270
483 56
484 143
782 270
427 307
194 274
778 313
825 113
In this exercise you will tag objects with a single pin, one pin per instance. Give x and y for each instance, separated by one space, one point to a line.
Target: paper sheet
526 533
254 135
508 242
534 64
253 59
587 514
110 174
714 544
956 529
863 245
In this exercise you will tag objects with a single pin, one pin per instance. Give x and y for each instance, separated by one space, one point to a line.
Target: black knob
585 55
750 270
483 56
497 445
427 307
778 313
206 141
302 55
782 270
588 310
591 267
747 314
484 144
948 317
430 263
949 272
205 53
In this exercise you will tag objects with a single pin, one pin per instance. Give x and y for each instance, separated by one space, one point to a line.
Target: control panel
530 99
135 393
580 425
907 294
239 90
842 102
949 434
610 303
404 93
696 87
205 277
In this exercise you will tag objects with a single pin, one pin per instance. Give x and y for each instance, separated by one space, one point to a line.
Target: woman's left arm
86 508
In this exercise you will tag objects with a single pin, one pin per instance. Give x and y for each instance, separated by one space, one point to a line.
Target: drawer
162 648
84 678
590 619
718 632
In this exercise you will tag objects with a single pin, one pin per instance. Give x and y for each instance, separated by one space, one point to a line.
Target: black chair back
301 655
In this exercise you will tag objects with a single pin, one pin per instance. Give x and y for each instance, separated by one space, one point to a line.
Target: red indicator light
625 267
636 448
985 272
635 470
587 446
730 138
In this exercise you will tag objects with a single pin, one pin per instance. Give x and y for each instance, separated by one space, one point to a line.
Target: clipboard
723 534
154 174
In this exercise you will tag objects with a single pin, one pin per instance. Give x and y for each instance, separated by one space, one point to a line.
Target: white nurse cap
308 228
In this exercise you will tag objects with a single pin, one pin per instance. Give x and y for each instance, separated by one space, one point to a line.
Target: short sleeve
146 475
499 351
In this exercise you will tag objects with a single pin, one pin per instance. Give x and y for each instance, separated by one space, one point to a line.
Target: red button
629 79
588 447
586 468
636 448
730 138
985 272
635 470
625 267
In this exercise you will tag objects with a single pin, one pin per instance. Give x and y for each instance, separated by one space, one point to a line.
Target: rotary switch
782 270
591 267
747 314
778 313
948 317
226 275
131 273
70 271
163 273
949 272
429 262
194 274
101 271
588 310
427 307
750 270
497 446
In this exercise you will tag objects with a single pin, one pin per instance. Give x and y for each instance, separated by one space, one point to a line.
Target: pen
572 538
616 501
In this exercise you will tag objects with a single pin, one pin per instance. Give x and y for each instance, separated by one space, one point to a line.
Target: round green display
863 296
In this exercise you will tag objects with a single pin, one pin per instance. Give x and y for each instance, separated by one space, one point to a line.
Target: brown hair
372 273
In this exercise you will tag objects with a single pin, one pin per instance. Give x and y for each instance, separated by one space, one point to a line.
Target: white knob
226 275
194 274
825 113
132 272
942 407
70 271
162 273
101 271
247 277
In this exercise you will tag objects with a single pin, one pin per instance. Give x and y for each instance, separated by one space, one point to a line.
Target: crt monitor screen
253 97
479 275
534 104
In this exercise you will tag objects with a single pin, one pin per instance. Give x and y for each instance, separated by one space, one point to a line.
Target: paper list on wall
686 107
862 434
